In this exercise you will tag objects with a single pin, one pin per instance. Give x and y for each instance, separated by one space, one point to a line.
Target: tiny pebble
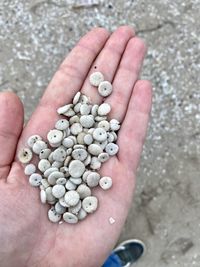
111 220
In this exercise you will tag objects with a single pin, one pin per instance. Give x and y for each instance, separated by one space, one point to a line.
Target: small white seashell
105 182
72 198
104 124
82 214
76 98
44 153
87 121
96 78
70 217
105 88
43 196
53 215
62 124
93 179
25 155
99 134
35 179
64 109
94 149
32 139
29 169
104 109
90 204
112 149
76 168
55 136
59 208
103 157
114 125
58 190
84 191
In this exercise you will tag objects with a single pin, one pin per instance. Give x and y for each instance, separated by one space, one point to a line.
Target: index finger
66 82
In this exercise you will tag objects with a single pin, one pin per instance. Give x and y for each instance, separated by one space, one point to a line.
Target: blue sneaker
129 251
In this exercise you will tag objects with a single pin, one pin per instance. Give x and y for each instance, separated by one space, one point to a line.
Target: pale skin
28 239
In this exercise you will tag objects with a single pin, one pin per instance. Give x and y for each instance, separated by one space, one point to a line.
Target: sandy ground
34 38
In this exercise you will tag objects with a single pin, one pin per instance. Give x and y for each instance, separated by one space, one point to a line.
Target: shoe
129 251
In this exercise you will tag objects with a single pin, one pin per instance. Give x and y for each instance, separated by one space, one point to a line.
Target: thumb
11 124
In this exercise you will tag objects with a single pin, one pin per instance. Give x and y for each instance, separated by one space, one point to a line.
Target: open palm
28 239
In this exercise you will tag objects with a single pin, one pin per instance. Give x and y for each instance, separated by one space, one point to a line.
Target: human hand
28 238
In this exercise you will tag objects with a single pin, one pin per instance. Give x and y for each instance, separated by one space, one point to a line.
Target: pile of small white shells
82 140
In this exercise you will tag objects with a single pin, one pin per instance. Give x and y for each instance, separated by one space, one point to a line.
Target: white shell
64 109
53 215
76 168
70 186
96 78
93 179
70 217
50 197
59 154
39 146
44 153
76 128
76 98
72 198
95 164
32 139
88 139
25 155
105 182
99 134
85 109
112 149
114 125
103 157
79 154
87 121
58 190
35 179
76 208
105 88
104 109
29 169
52 178
90 204
55 136
94 149
43 196
82 214
84 191
43 165
104 124
49 171
59 208
67 142
62 124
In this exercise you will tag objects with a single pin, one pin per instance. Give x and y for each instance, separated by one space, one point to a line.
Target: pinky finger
134 127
